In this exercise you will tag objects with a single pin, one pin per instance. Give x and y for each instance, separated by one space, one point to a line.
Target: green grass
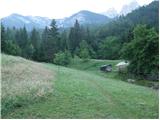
89 94
93 66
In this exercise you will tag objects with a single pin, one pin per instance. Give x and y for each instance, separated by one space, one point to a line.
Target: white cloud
59 8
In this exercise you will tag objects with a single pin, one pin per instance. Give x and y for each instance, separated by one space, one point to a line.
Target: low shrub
62 58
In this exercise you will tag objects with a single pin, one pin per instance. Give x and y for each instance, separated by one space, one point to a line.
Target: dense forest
133 37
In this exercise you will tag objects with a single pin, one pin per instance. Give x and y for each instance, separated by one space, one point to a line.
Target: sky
60 8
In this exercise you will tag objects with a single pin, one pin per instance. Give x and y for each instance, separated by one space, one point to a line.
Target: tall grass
23 82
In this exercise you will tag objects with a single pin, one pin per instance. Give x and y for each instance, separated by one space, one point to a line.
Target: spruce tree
75 37
63 41
50 42
8 46
3 38
35 41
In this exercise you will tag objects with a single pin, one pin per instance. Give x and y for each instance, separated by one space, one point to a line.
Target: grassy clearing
23 81
93 66
87 94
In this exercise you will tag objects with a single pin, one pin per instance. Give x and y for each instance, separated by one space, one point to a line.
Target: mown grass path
82 94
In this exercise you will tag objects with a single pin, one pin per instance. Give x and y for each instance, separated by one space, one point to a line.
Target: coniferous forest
133 37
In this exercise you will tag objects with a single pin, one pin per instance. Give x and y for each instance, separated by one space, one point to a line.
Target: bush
84 54
142 52
62 58
12 48
109 48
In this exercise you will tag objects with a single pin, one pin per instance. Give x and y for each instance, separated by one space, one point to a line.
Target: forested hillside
131 37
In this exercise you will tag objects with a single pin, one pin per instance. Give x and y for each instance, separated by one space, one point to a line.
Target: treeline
49 44
133 38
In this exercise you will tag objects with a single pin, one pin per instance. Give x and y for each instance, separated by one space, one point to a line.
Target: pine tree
75 37
3 38
43 44
35 41
24 42
63 41
50 42
71 41
8 46
23 37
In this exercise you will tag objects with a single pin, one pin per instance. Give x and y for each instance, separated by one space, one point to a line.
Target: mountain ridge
30 22
129 7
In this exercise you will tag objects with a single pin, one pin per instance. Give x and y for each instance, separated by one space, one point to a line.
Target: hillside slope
82 94
23 81
122 26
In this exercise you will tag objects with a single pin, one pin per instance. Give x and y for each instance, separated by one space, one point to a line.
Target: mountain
145 15
84 17
111 13
129 8
148 15
18 21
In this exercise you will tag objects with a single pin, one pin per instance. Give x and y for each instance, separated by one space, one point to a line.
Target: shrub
62 58
142 52
12 48
109 48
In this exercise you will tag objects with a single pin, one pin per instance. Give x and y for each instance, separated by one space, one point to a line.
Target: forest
134 38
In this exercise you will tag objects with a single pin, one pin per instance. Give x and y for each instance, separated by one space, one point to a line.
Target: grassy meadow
23 81
81 90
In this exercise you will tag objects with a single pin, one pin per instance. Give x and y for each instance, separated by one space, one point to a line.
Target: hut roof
122 63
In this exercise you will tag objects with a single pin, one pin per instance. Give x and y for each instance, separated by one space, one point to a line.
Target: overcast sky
60 8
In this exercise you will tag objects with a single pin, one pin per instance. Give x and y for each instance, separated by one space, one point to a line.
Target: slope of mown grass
87 94
23 82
